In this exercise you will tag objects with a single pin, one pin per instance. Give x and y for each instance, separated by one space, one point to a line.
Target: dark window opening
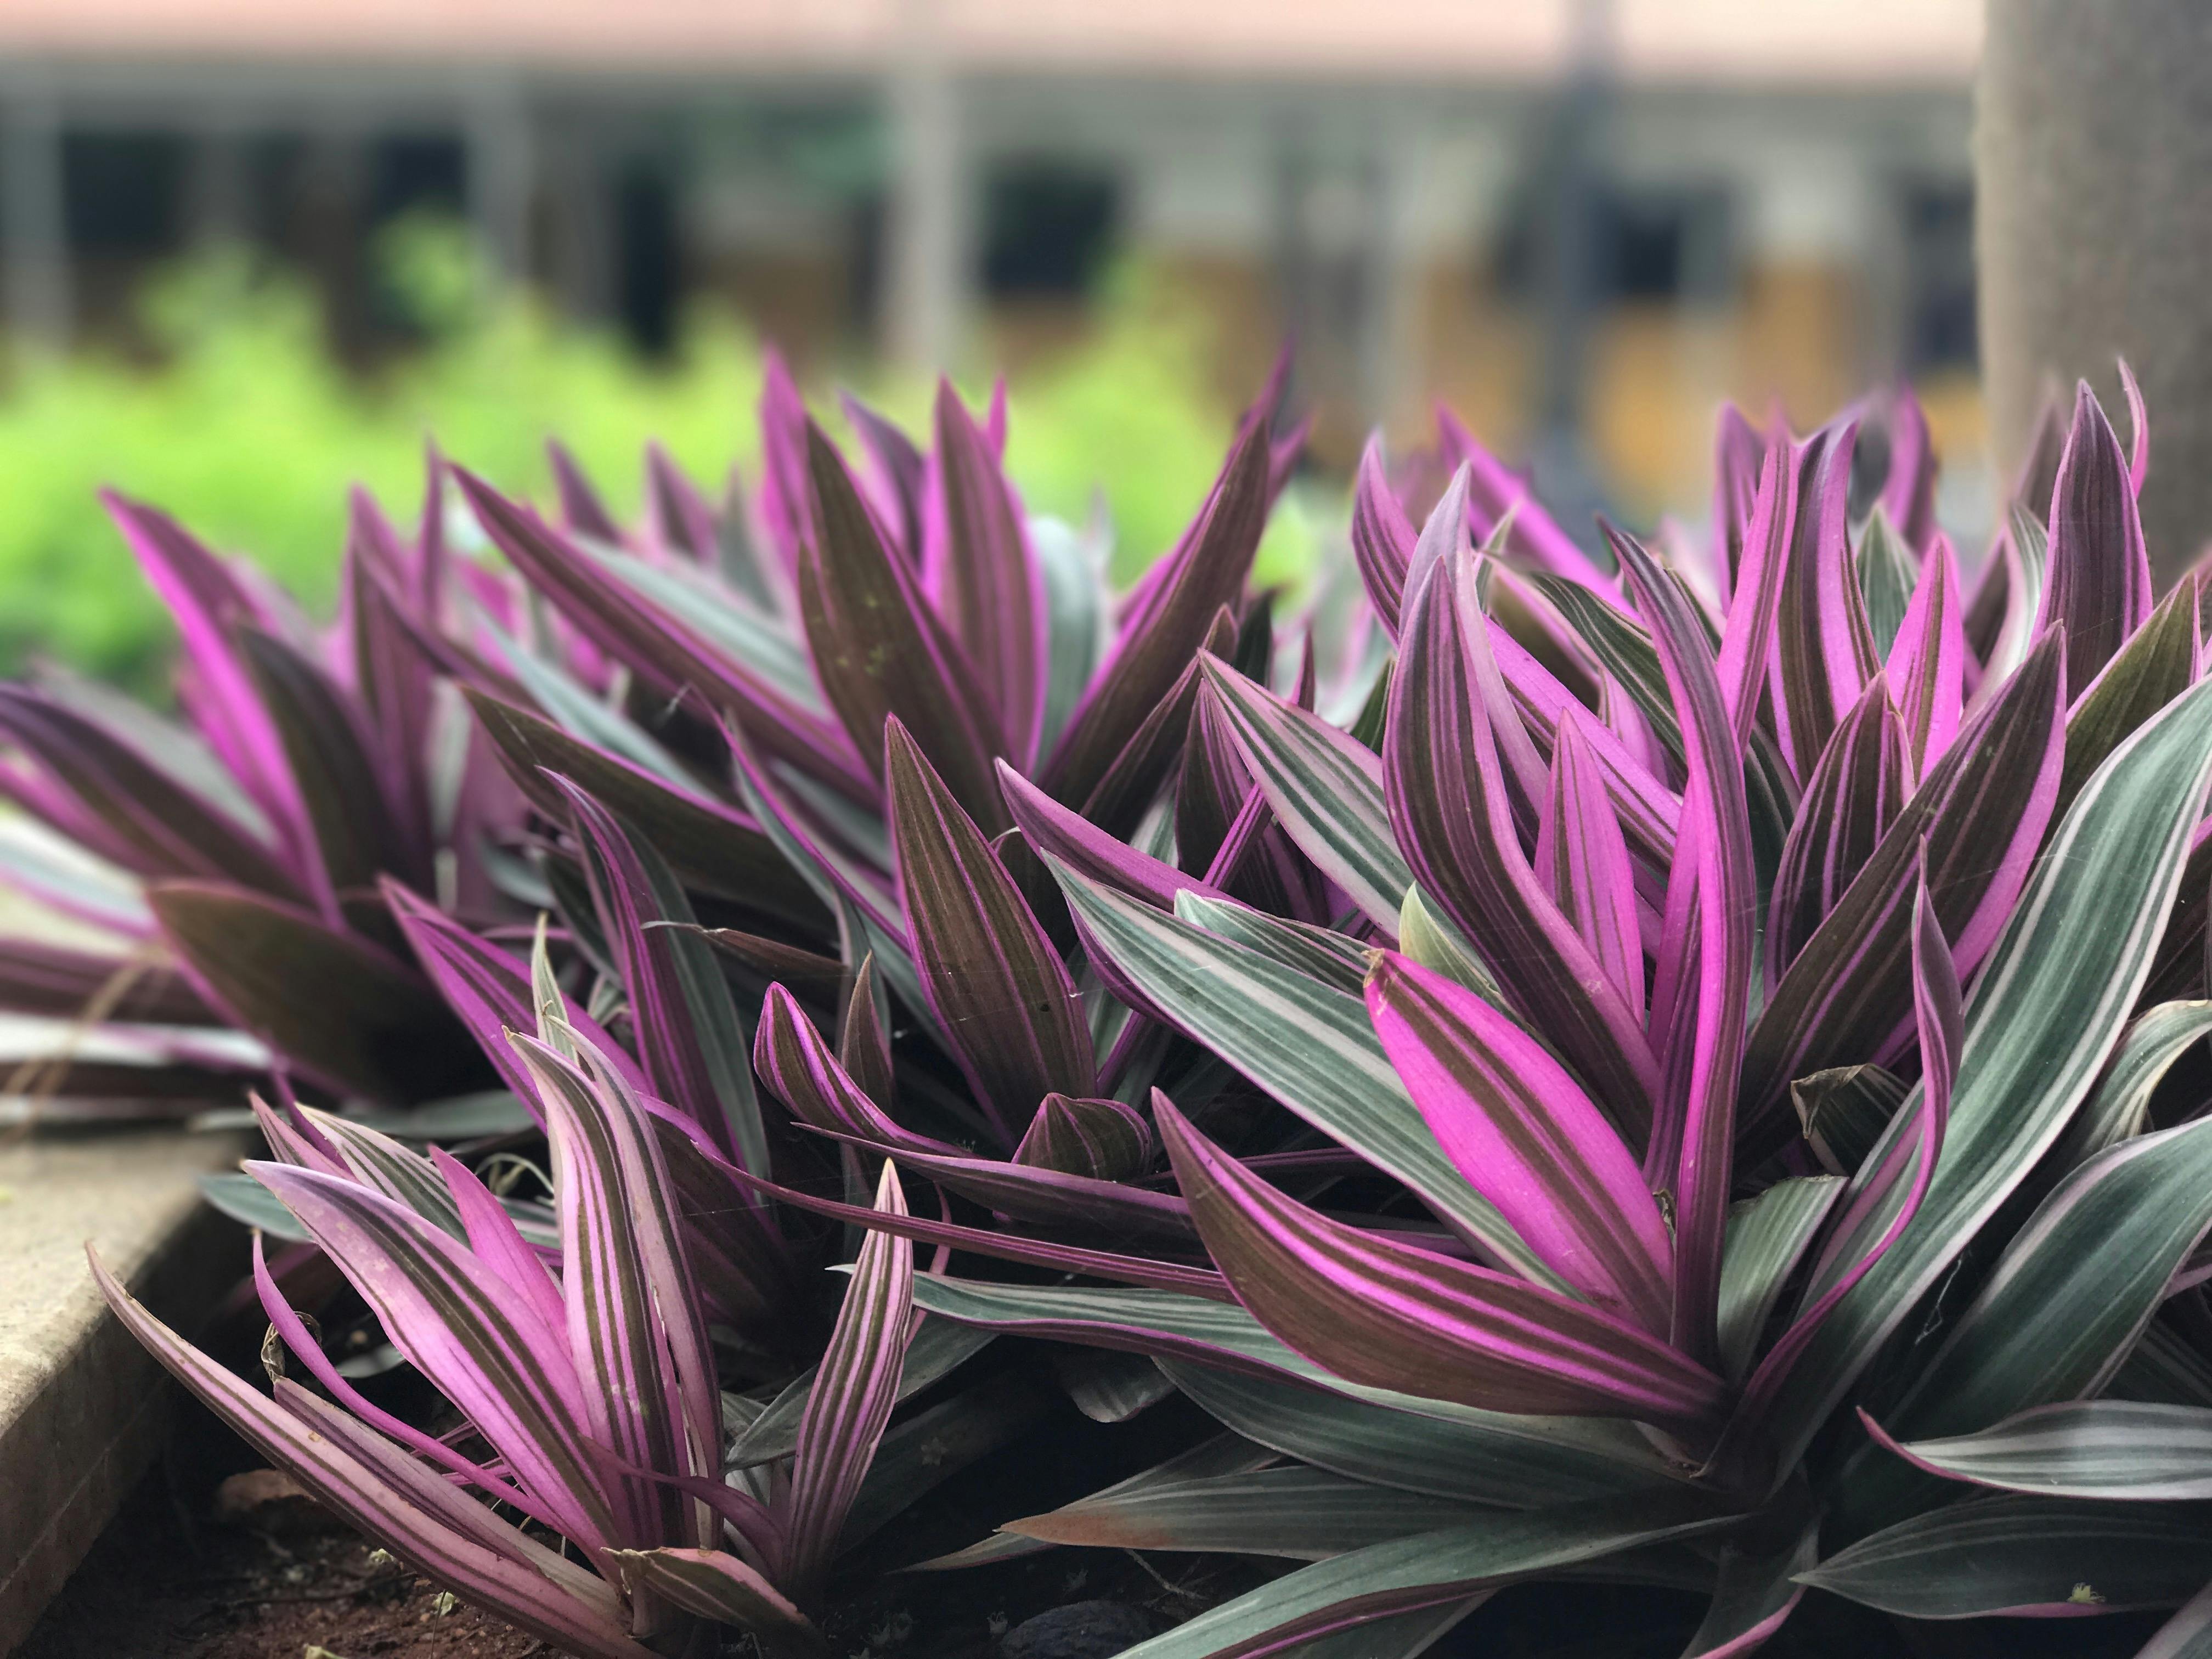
646 257
1642 244
1939 256
417 172
124 192
1049 228
1660 244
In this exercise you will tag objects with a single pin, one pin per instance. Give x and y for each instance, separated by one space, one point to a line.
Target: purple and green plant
1683 1026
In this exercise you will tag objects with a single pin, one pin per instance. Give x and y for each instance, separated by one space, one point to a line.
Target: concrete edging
84 1410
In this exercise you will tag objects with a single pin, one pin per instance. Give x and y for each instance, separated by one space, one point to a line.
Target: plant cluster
1670 1067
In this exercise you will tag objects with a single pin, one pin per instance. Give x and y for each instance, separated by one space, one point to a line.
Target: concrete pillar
927 263
2093 151
33 221
501 176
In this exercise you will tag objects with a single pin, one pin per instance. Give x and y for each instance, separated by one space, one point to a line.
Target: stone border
84 1410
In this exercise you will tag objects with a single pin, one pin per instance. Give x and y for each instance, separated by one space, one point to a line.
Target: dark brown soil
159 1587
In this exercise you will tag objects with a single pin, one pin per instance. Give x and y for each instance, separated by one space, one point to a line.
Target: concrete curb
84 1410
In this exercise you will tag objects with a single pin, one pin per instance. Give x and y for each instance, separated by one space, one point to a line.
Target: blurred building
1585 216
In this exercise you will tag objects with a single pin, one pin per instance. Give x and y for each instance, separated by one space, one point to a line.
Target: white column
33 223
927 255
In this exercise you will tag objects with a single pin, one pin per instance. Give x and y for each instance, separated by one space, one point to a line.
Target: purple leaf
1494 490
687 1029
457 1323
879 650
1126 792
1928 663
1102 1139
1937 1006
716 848
207 601
800 1070
1170 625
1006 1247
633 1324
1982 811
1908 495
1389 1315
487 989
1454 818
988 588
997 986
1713 859
900 471
1823 651
342 1011
61 982
1739 453
667 655
1582 861
435 1529
680 521
1056 1199
715 1585
2097 578
104 791
1382 536
1763 560
1524 1135
1052 830
853 1395
582 513
333 756
786 499
1853 796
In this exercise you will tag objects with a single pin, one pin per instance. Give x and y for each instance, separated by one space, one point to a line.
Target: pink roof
1847 42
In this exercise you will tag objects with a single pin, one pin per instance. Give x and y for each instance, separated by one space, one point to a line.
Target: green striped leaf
1431 938
1309 1045
2069 1296
1767 1237
2114 1450
852 1401
1429 1570
2037 1557
2156 666
2119 1108
1325 789
1888 575
1389 1314
1844 1111
1306 1515
1318 953
1477 1457
998 987
2049 1006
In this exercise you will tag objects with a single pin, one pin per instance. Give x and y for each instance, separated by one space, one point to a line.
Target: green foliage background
248 431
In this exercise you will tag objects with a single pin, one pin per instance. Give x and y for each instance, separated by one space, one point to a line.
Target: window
1048 228
1939 262
646 256
122 190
